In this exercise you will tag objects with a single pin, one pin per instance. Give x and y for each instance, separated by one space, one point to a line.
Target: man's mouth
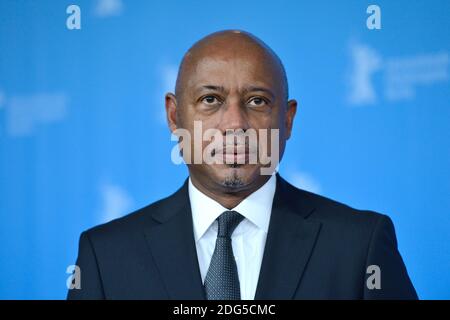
233 154
236 158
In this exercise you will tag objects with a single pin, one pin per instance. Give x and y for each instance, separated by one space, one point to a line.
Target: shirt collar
257 207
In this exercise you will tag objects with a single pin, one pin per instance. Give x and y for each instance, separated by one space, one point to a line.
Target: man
232 232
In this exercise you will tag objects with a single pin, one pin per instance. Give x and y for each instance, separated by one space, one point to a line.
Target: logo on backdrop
400 75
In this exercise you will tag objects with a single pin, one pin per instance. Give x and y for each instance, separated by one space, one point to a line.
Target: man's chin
235 177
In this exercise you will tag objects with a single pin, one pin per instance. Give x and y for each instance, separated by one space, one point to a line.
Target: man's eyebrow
245 90
211 87
256 88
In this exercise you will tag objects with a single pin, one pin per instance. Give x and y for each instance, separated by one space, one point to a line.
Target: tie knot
228 221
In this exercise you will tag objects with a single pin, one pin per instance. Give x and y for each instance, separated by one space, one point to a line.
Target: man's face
234 92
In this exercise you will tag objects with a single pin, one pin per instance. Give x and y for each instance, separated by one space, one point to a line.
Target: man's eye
257 102
210 100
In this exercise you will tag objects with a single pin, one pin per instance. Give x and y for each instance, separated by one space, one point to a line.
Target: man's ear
171 111
290 114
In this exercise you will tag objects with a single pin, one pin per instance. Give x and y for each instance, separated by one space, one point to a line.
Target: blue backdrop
83 137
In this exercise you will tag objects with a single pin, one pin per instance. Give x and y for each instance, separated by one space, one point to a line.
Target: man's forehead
229 74
226 68
232 64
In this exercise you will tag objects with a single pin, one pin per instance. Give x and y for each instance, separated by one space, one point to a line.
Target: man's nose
234 116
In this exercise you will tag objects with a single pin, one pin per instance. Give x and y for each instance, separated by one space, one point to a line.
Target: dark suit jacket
316 248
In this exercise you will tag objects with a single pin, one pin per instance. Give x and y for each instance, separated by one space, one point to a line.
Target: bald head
227 45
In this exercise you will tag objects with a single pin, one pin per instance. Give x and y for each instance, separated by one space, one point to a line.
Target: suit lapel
173 249
290 242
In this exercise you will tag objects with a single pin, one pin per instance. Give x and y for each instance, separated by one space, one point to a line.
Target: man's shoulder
138 220
328 210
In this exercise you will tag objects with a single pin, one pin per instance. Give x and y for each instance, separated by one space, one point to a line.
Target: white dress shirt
248 239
